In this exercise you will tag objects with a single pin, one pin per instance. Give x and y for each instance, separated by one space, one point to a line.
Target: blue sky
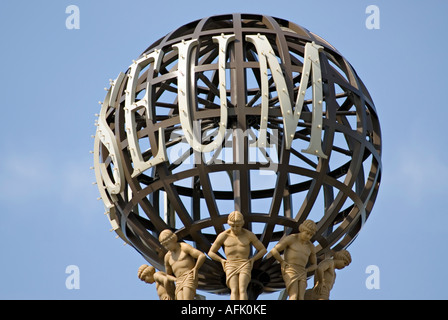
52 80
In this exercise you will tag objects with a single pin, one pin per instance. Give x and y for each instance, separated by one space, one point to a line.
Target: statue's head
168 239
235 221
146 273
307 230
342 259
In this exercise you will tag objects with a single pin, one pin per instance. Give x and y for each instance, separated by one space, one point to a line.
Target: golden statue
298 253
164 282
237 242
183 261
325 275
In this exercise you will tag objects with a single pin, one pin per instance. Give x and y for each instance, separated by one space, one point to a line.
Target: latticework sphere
238 112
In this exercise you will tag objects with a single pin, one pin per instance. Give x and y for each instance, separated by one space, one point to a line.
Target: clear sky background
52 79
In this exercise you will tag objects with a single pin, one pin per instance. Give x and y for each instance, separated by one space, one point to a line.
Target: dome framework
179 136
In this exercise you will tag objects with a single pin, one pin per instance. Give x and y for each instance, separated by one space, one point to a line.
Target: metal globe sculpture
238 112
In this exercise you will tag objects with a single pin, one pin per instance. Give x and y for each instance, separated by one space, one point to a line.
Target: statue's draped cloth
186 280
292 274
237 267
